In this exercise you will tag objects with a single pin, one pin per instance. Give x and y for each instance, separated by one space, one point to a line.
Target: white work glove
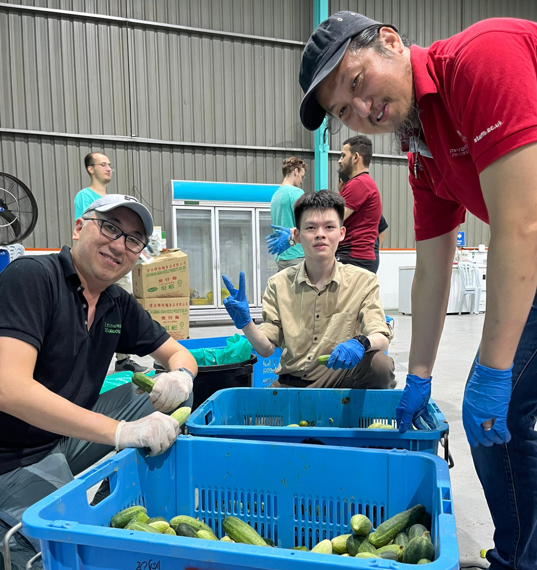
157 431
170 390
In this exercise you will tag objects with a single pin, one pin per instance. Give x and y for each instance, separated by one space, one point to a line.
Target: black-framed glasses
104 165
113 232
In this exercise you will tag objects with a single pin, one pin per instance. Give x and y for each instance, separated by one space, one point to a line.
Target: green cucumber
419 548
323 359
170 531
353 544
425 520
143 382
226 538
161 526
183 529
155 519
366 546
416 530
142 527
206 534
121 519
339 544
241 532
181 415
424 561
396 550
304 423
364 555
361 525
402 539
324 547
389 529
190 521
269 541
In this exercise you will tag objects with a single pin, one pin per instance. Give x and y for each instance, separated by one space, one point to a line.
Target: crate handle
447 455
209 418
100 472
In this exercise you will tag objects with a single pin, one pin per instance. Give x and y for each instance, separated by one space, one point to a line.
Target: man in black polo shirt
62 320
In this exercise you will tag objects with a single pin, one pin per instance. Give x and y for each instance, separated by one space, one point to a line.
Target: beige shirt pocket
339 329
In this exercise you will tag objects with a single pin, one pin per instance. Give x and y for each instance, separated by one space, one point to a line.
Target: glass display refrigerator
222 229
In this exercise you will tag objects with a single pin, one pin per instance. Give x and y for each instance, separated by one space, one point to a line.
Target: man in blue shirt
281 209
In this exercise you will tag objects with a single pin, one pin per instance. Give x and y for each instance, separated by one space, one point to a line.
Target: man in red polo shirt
467 109
363 207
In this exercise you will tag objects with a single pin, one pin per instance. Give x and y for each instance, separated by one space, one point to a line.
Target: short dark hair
363 146
370 38
88 159
322 200
289 164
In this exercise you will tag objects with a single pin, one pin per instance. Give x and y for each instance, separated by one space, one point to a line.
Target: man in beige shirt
320 307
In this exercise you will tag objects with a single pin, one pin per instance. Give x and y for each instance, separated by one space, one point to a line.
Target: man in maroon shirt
363 207
466 107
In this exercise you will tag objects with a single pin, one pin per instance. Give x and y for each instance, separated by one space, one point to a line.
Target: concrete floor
457 351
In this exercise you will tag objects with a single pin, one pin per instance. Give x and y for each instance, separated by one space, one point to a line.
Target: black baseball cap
322 54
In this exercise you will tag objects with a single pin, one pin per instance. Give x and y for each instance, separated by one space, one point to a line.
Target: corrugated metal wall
190 89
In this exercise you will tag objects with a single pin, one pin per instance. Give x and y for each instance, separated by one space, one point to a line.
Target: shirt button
314 338
309 357
316 316
86 322
79 288
84 306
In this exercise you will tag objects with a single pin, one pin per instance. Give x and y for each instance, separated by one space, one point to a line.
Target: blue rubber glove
412 407
237 304
346 355
278 241
486 397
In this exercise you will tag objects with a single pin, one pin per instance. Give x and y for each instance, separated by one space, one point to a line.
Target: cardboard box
165 276
171 312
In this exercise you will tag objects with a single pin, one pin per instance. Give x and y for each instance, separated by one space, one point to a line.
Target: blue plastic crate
294 494
263 370
340 417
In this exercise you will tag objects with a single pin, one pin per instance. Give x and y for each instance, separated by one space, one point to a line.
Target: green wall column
320 13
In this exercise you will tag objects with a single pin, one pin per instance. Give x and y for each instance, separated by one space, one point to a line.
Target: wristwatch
187 371
291 240
364 341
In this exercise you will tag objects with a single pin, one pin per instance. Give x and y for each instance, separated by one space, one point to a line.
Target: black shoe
128 365
158 367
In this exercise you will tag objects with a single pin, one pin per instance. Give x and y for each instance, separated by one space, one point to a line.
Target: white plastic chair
471 285
16 250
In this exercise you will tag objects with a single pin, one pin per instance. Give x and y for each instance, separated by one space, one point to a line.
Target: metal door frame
258 251
218 209
211 210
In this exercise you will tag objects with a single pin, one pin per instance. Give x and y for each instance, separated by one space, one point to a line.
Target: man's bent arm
379 342
509 188
259 340
430 295
173 355
23 397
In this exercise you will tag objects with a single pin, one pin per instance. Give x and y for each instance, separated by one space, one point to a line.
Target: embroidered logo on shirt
490 129
112 328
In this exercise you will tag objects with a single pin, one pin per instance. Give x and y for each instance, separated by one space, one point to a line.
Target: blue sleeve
82 201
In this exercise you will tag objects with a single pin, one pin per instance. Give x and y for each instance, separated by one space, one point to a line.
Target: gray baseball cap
113 201
323 53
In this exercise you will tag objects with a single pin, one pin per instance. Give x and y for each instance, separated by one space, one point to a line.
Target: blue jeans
508 472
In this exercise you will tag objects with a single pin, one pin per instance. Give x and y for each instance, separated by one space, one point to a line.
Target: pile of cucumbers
404 538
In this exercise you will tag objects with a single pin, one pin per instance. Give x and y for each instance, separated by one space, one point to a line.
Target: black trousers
369 264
